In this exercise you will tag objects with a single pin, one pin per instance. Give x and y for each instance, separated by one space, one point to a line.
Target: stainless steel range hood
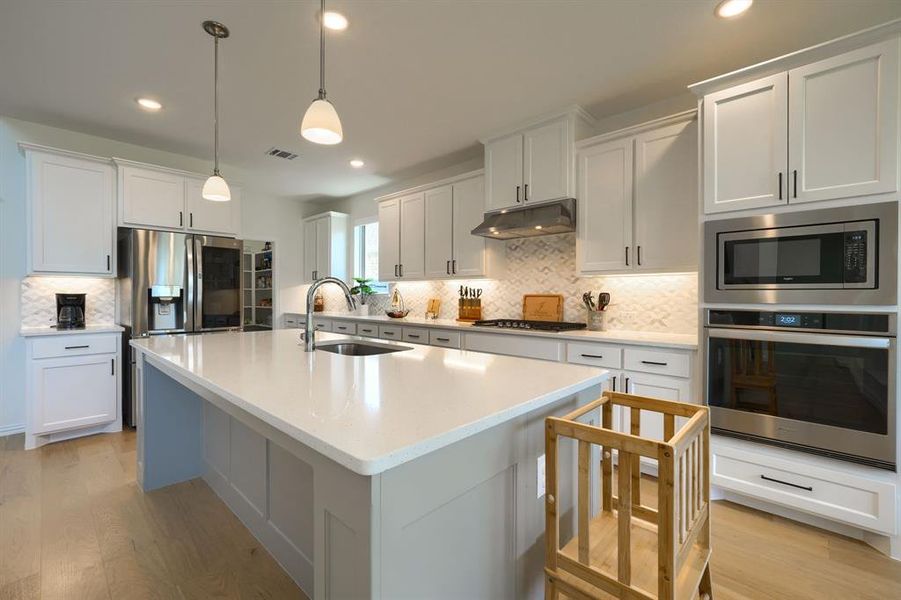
530 221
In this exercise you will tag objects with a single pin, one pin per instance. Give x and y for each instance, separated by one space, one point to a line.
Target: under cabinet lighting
357 163
334 21
149 104
732 8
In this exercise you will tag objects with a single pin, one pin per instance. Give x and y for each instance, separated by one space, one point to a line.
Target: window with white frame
366 255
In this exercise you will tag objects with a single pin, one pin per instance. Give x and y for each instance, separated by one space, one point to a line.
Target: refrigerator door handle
190 284
198 283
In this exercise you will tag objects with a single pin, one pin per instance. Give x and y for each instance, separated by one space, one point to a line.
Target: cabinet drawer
515 345
345 327
368 330
676 364
74 345
448 339
390 332
595 355
322 325
293 321
416 335
836 495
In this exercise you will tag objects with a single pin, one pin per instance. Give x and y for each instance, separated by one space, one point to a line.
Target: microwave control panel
855 263
811 321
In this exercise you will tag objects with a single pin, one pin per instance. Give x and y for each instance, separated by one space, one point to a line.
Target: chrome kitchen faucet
309 336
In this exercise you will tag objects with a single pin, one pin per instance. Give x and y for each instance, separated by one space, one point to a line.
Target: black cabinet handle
780 185
191 219
413 336
592 356
638 250
627 256
387 333
108 265
794 485
653 362
401 269
112 367
627 385
517 194
442 339
795 183
525 193
614 383
448 267
181 219
77 347
454 266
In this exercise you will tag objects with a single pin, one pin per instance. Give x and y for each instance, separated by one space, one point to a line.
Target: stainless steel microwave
827 256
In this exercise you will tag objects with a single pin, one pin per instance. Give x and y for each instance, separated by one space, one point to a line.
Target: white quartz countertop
41 331
681 341
367 413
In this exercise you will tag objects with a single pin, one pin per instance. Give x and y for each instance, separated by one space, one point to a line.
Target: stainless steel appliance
175 283
70 311
821 382
525 324
548 218
827 256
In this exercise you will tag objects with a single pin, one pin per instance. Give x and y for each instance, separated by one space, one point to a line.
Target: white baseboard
12 429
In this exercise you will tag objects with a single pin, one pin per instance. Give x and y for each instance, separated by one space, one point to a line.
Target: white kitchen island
415 474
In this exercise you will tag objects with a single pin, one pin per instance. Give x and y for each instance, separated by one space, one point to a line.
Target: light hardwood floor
75 525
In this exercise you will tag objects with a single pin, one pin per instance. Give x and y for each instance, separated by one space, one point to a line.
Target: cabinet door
152 198
389 239
71 204
208 216
604 241
547 162
439 213
74 392
412 236
843 125
309 250
503 173
745 145
655 386
323 248
666 198
469 249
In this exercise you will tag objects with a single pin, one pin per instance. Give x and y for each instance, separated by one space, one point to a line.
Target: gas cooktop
536 325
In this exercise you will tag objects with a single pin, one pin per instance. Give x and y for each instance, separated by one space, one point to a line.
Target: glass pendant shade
321 124
216 189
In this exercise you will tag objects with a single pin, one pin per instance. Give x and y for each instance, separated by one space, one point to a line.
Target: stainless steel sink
359 348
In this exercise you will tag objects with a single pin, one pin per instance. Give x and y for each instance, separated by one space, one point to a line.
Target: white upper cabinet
503 173
159 198
389 239
535 162
325 246
824 130
666 198
746 145
71 205
843 125
151 198
637 199
439 231
604 206
212 217
470 253
547 162
412 236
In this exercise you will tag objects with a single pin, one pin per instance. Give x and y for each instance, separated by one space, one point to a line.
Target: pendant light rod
321 50
218 31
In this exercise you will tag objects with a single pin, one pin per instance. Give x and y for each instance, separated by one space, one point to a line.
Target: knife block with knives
469 306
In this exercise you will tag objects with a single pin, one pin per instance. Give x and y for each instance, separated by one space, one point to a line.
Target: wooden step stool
672 541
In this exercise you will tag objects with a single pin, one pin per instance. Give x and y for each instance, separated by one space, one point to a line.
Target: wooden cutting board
542 307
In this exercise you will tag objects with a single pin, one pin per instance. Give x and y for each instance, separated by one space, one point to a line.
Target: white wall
264 217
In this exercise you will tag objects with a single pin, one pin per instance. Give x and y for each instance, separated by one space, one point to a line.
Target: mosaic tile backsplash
547 264
39 299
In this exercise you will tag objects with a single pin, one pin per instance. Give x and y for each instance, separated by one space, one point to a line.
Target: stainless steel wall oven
814 381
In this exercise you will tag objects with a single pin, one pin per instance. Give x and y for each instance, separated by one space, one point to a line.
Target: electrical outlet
540 476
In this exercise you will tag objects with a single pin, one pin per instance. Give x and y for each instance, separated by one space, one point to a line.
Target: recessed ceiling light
357 163
149 104
732 8
334 20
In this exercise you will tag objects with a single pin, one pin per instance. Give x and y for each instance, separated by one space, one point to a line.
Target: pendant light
321 124
215 188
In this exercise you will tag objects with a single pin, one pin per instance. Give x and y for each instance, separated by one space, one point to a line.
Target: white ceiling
412 80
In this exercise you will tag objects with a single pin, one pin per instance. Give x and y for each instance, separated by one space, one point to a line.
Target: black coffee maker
70 311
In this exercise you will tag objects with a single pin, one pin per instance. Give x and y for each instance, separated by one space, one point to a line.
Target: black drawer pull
592 356
388 333
77 347
794 485
413 336
653 362
442 339
112 367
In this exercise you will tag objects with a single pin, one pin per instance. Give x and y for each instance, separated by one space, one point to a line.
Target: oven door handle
797 337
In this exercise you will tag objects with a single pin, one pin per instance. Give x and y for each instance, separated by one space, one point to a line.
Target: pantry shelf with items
258 275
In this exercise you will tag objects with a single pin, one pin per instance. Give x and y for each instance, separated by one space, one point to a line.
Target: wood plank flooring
75 525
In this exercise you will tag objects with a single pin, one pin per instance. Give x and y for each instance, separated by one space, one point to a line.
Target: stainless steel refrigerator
175 283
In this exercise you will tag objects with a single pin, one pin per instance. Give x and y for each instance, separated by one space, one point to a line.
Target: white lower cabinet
73 384
656 386
345 327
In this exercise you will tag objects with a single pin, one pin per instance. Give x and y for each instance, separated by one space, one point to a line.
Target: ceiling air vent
279 153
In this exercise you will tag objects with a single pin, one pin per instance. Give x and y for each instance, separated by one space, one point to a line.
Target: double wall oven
800 330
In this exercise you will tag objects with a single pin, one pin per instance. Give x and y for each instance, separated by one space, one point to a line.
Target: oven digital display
788 320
